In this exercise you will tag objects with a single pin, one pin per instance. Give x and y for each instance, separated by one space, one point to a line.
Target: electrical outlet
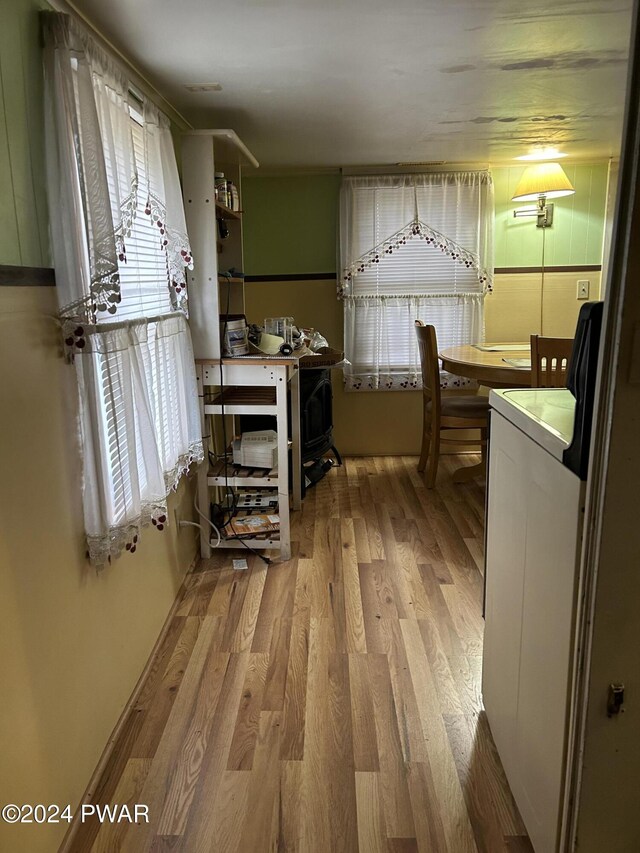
582 291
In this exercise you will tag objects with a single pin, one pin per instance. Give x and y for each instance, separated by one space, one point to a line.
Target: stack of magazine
257 449
252 525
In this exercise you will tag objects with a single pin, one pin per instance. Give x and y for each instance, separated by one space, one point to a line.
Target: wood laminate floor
330 703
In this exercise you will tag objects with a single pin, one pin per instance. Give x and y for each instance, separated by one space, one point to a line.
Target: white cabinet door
506 529
533 528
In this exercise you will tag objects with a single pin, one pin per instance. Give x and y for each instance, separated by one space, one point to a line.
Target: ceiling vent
204 87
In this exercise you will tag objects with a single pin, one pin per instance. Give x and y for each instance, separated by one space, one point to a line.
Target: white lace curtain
120 251
412 247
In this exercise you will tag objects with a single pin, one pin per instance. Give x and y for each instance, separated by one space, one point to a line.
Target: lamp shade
543 179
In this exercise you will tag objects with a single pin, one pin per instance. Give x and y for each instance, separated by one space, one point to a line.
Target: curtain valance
94 176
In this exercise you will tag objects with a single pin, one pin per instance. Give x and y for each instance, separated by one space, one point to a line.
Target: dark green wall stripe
331 276
301 276
26 277
574 268
13 276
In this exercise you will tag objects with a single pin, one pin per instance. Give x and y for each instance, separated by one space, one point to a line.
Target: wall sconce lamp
538 183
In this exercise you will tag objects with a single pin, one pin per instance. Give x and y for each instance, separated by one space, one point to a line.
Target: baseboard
115 734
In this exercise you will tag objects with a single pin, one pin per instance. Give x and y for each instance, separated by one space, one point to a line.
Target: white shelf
229 145
244 401
251 387
239 409
228 212
242 477
259 390
254 543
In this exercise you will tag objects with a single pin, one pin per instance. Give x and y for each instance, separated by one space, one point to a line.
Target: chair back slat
549 361
430 365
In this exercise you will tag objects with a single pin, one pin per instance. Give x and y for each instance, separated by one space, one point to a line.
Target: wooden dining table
488 366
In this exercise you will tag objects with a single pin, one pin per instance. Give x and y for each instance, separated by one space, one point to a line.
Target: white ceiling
360 82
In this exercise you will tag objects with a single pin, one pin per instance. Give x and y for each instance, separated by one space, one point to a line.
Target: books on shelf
258 449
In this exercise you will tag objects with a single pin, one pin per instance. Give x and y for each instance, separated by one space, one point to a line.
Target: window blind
144 291
418 267
144 273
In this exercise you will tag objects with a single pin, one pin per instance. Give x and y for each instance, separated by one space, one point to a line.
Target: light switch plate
582 291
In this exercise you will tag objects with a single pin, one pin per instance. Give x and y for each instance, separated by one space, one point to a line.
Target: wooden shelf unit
256 388
232 387
227 212
225 279
241 476
205 152
244 401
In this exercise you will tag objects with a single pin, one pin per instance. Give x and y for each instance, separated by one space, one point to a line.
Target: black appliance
581 381
316 416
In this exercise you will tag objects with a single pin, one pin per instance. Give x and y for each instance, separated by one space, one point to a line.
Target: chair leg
424 449
434 456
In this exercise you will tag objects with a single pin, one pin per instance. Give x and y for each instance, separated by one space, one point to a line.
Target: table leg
295 438
468 472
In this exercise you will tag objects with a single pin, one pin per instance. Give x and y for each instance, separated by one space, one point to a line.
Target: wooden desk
488 368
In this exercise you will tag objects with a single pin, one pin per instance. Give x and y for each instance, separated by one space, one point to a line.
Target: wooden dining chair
556 354
444 413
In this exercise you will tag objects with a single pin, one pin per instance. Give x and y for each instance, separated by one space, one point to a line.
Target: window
144 285
412 247
145 293
120 250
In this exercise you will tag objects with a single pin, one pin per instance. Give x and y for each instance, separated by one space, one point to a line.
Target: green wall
291 227
290 223
576 235
24 237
